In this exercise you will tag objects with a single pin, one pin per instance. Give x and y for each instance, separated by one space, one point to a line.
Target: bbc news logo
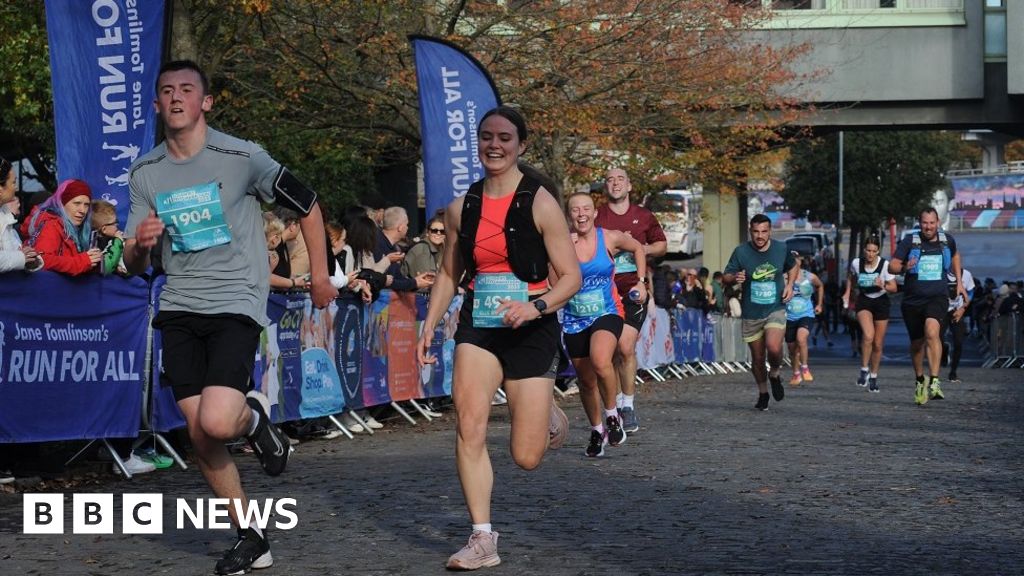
144 513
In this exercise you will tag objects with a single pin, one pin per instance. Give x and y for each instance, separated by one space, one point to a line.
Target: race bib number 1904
193 217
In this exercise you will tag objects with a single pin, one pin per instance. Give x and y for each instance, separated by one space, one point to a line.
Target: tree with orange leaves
667 87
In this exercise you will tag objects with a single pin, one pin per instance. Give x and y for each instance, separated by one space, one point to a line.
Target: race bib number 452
193 217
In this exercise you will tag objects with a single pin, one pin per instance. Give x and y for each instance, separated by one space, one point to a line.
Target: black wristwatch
540 305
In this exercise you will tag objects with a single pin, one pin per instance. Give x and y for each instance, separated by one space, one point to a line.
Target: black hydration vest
863 270
527 256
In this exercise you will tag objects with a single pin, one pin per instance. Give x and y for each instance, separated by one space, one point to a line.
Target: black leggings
958 331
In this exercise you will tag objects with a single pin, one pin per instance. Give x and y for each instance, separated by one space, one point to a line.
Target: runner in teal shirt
767 271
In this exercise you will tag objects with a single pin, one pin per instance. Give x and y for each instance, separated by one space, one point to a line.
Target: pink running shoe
480 552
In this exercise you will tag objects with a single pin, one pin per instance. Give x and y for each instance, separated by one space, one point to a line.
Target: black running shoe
596 446
616 435
268 443
762 402
251 551
778 391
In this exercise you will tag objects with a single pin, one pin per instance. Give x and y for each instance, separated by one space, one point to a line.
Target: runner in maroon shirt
640 223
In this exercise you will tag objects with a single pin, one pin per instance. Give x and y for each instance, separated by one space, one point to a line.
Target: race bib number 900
193 217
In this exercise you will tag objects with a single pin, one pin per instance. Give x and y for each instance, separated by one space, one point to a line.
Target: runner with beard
640 223
771 271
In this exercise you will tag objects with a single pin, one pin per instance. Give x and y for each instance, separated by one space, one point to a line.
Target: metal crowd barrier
1006 343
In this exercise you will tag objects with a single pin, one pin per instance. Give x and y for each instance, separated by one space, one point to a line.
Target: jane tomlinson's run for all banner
104 58
454 92
72 356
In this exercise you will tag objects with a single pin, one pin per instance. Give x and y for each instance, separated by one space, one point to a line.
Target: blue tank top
801 305
597 296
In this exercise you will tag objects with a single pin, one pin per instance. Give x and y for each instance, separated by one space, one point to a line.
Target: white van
679 213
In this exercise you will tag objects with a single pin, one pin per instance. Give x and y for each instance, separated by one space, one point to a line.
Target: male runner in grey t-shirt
200 191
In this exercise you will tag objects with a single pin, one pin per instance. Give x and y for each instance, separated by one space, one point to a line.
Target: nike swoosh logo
761 275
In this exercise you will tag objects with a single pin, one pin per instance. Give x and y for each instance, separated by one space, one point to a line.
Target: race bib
866 280
587 305
489 292
624 262
193 217
763 292
930 267
798 305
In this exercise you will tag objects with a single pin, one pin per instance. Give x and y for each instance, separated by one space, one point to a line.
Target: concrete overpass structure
895 64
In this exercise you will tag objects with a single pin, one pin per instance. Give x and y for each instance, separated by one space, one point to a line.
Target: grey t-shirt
214 248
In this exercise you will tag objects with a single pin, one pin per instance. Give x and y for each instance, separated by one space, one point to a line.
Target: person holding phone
425 256
396 227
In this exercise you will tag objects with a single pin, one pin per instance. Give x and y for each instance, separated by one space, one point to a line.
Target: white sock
482 527
599 428
864 369
803 367
612 412
618 400
874 375
627 401
255 423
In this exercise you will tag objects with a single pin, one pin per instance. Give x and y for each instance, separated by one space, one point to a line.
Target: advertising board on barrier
72 356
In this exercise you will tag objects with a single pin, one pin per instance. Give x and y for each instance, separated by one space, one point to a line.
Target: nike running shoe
921 393
778 391
862 379
480 552
597 443
796 379
268 442
616 435
873 385
249 552
934 391
762 402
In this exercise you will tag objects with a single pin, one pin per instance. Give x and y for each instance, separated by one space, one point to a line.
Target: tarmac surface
832 480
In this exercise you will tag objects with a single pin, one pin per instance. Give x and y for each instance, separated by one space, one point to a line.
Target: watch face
540 304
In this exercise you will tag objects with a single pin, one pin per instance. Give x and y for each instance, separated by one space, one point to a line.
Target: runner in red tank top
508 334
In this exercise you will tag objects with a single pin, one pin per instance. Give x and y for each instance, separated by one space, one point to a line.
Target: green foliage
26 123
886 175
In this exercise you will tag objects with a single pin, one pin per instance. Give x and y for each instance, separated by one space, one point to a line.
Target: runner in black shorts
508 333
640 223
213 306
927 256
870 274
592 320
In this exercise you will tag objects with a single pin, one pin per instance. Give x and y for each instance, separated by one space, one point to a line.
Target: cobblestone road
833 480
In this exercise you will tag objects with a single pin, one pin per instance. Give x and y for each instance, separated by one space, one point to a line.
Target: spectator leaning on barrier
425 255
273 228
108 238
60 230
13 255
213 306
716 294
344 275
396 227
294 243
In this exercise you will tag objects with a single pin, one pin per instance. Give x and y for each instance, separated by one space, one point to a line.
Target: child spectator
108 238
60 230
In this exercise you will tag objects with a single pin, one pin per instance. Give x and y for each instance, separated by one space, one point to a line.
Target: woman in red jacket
59 230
